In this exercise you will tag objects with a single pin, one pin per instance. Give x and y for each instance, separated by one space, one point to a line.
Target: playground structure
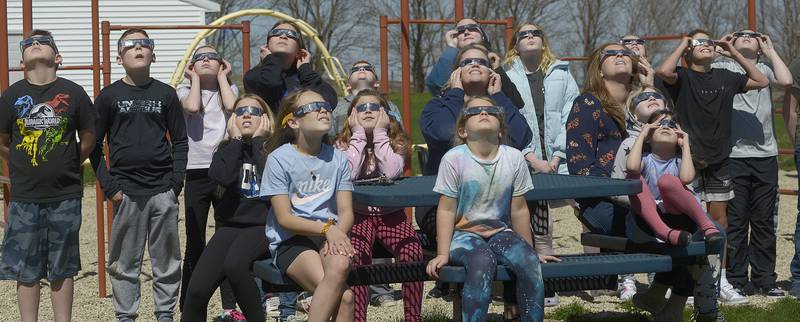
101 67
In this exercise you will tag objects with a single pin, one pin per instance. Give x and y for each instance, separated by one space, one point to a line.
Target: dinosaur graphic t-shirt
310 182
44 156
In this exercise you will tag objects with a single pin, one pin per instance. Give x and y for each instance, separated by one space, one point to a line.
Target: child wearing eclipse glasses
41 116
285 68
208 101
147 156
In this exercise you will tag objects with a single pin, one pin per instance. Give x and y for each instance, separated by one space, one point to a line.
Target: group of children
278 165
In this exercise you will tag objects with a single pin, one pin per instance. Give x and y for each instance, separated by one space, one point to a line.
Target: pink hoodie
386 162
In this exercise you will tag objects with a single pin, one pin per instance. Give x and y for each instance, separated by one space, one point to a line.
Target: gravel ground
89 306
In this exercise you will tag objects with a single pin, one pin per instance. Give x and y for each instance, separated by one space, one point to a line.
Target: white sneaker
690 300
729 295
551 301
627 288
271 306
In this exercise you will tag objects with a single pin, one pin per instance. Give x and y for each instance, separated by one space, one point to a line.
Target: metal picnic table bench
574 272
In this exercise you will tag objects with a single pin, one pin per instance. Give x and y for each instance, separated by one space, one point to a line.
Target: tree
592 20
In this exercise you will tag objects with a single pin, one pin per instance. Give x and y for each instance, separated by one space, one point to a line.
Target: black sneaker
773 292
437 292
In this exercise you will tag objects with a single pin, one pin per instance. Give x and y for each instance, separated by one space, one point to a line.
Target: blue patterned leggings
480 258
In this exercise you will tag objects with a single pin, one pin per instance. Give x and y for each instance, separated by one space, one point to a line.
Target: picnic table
574 272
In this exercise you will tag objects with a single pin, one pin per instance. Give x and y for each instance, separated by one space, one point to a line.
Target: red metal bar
789 192
27 17
101 240
106 30
405 54
458 5
751 14
443 22
385 55
509 31
75 67
4 83
245 46
167 27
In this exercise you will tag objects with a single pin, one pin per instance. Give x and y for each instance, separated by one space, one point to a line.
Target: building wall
70 23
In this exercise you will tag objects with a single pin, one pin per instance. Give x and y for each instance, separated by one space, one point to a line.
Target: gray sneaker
384 300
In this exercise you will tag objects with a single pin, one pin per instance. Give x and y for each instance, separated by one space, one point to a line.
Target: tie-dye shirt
311 182
483 188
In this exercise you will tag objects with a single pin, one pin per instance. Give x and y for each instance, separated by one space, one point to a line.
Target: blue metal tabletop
418 191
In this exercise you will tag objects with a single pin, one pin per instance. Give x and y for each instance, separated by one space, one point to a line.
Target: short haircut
38 32
658 114
698 31
133 31
42 33
360 62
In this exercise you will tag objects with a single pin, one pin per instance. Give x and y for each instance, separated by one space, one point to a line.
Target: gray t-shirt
752 131
311 182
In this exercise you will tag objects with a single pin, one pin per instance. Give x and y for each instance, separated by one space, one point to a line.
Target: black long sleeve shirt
137 119
272 80
237 167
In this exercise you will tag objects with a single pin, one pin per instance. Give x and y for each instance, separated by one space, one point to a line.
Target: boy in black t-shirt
704 105
145 177
39 116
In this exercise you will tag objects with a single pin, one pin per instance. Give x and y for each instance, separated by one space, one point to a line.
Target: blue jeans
480 256
794 267
601 216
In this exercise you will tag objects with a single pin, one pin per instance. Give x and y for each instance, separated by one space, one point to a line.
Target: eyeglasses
283 32
252 110
475 110
360 68
617 52
634 41
130 43
302 110
644 96
41 40
470 27
703 42
747 34
475 61
204 56
529 34
668 123
368 106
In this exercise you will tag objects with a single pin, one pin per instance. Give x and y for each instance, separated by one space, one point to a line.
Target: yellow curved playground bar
333 68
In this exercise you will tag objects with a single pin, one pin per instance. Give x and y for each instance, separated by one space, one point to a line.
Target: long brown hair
461 123
596 86
283 133
548 57
265 109
398 140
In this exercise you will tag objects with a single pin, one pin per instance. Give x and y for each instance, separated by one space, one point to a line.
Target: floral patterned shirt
592 138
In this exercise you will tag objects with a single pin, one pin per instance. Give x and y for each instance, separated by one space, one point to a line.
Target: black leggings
229 255
198 197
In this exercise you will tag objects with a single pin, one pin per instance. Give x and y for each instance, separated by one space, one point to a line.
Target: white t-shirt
205 130
483 188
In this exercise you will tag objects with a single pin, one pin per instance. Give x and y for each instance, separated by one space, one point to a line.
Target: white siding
70 23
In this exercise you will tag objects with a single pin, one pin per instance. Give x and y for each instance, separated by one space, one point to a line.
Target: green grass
786 309
418 101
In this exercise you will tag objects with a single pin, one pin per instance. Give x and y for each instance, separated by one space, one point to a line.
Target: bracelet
327 226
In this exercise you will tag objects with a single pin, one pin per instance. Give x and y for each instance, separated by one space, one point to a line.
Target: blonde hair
283 133
548 57
461 123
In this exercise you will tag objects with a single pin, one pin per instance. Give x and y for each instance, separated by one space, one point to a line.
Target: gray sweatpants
139 221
